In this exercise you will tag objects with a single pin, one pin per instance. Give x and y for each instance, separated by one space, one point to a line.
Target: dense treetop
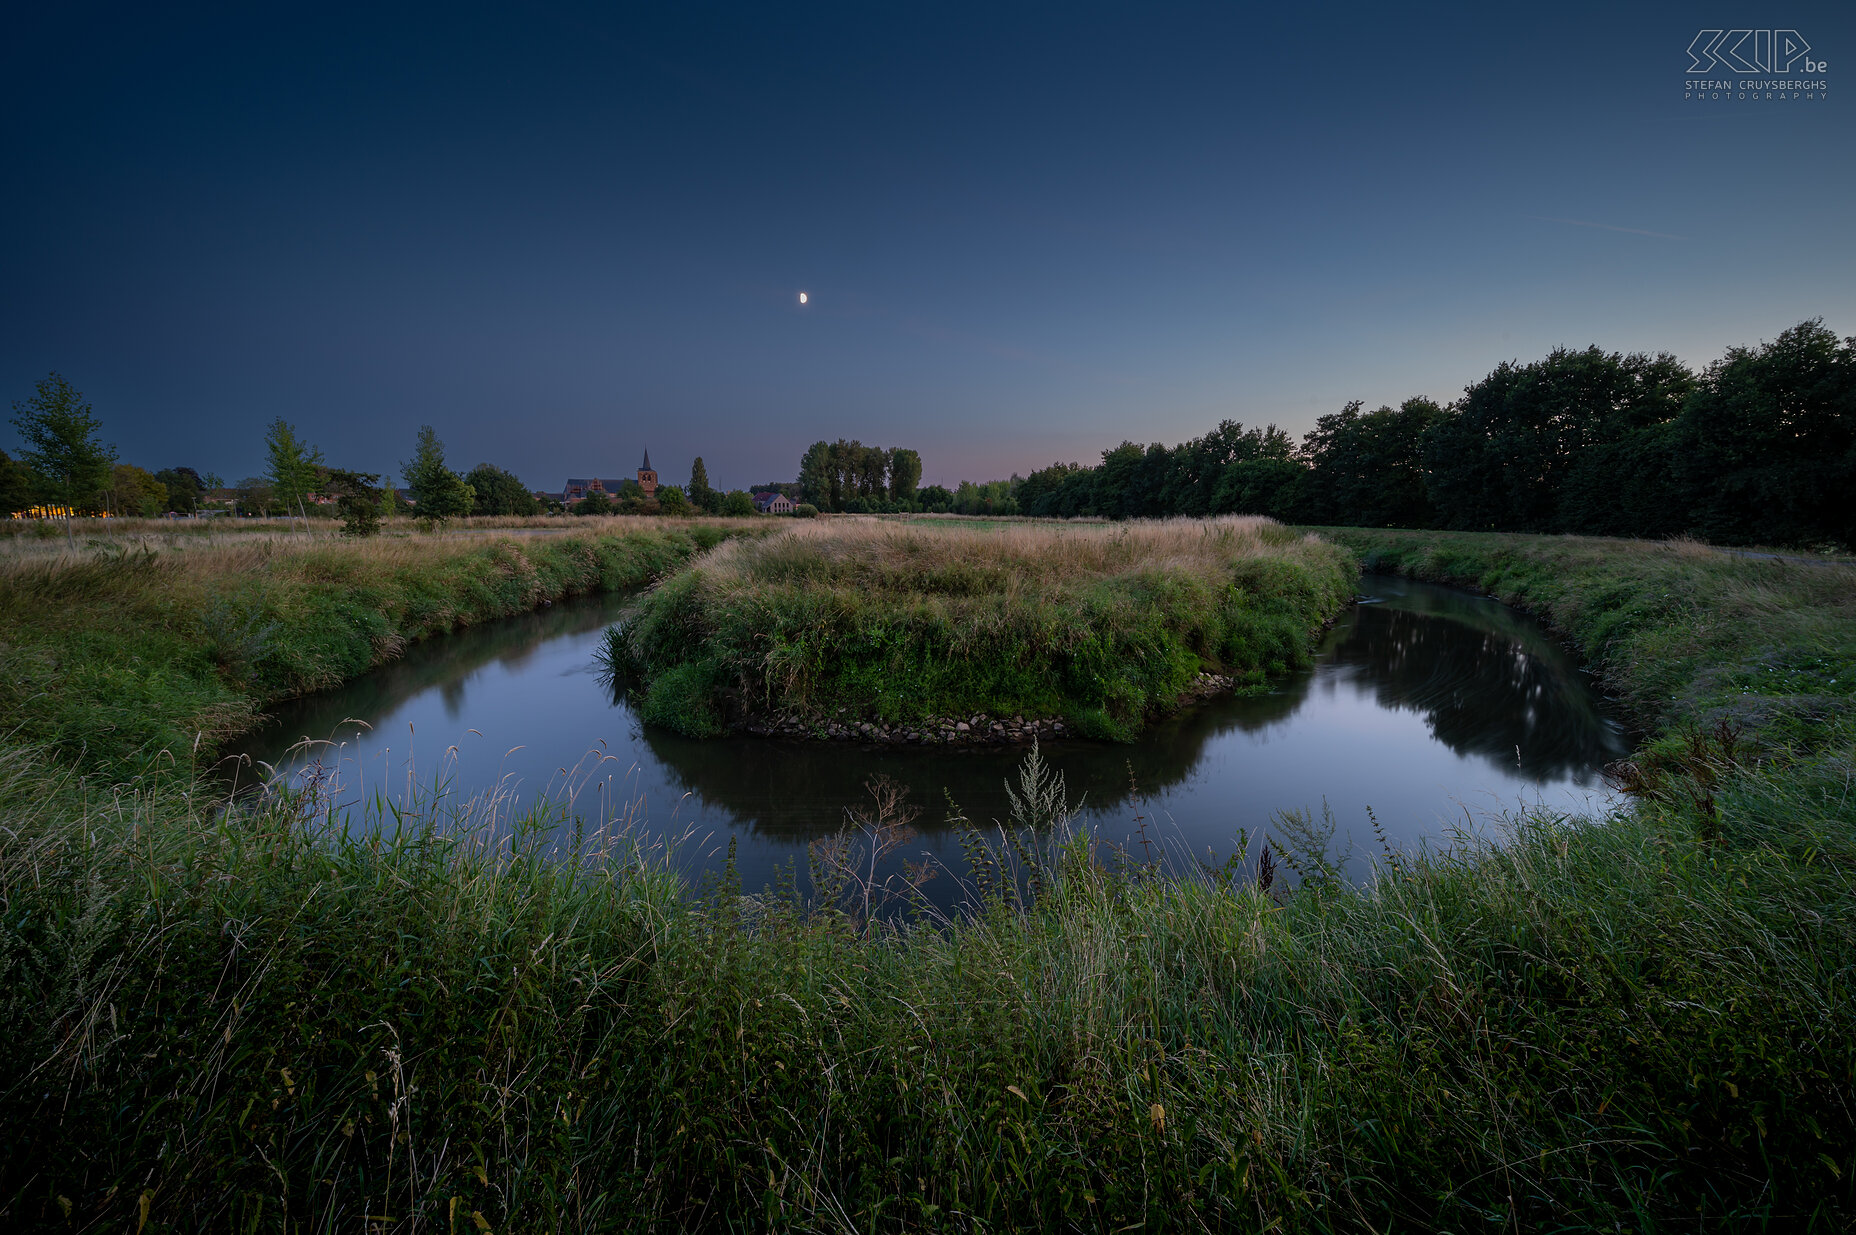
1760 448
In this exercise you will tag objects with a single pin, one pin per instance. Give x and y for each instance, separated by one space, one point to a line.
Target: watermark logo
1797 71
1751 51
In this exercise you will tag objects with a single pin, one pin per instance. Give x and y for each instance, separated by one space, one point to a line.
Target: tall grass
1098 624
1688 636
407 1017
127 655
404 1013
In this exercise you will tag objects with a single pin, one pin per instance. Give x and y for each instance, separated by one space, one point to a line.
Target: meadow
1100 624
404 1014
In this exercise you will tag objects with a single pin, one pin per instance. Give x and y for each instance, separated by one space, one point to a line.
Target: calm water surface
1434 708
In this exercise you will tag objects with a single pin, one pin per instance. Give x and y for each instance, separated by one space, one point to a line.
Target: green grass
1688 636
267 1020
1100 625
128 655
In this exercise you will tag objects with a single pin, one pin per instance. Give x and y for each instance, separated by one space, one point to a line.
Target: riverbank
1691 638
126 654
886 631
238 1022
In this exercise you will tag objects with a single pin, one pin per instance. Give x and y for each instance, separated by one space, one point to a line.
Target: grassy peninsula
251 1021
1100 624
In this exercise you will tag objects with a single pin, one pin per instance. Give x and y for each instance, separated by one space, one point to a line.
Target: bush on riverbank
1098 625
243 1022
126 654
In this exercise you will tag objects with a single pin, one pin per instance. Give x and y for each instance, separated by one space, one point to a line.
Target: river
1432 709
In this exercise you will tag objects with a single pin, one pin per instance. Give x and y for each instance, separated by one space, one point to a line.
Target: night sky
564 234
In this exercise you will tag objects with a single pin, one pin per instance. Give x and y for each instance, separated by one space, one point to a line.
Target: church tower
647 479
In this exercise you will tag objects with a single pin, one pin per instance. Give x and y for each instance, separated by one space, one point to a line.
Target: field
1100 624
401 1016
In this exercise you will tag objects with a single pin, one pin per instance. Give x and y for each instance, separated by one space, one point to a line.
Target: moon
802 297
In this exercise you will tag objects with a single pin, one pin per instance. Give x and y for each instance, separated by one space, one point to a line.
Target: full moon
802 297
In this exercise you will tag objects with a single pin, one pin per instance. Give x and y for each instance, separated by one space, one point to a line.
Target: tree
1503 458
17 486
700 494
1366 469
185 487
905 473
135 492
817 480
294 467
594 503
1262 486
1037 492
357 500
60 432
670 500
438 492
738 503
254 497
871 467
1764 452
496 492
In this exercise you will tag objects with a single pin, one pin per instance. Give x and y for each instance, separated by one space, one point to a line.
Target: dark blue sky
561 234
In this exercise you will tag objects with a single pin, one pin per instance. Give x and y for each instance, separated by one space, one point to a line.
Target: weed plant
1099 624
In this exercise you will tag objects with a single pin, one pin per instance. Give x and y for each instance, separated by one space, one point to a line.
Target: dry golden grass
205 549
889 553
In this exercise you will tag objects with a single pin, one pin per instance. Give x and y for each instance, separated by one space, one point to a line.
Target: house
769 503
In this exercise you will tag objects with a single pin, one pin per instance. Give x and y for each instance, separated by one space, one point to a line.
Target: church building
609 487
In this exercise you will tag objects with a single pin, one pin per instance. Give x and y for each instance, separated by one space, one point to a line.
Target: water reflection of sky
1431 707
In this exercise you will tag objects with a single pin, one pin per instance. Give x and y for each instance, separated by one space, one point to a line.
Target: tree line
855 478
66 470
1757 448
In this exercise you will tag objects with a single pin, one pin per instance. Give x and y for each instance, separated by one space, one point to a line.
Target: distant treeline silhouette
1760 448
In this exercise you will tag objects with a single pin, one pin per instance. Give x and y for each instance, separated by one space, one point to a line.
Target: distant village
68 473
578 489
